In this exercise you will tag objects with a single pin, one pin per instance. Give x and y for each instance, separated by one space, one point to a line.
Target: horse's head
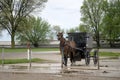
59 35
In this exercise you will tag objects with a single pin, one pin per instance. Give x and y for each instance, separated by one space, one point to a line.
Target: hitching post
3 56
29 54
30 57
98 60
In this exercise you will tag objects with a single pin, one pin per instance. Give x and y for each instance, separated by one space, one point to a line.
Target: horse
67 49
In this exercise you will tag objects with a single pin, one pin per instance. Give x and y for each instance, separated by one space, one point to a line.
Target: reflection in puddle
17 67
44 68
36 68
55 68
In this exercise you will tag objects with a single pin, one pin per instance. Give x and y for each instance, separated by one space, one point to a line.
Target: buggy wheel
95 57
87 58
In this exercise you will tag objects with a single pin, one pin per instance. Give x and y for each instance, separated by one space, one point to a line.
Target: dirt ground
43 76
109 69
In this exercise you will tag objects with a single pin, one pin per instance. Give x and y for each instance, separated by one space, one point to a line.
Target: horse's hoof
65 64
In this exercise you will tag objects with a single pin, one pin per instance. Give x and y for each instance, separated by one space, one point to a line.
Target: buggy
84 45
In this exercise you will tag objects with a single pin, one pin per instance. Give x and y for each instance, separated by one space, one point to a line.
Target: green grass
17 50
109 54
15 61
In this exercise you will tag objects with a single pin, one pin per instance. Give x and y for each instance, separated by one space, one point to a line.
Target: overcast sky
65 13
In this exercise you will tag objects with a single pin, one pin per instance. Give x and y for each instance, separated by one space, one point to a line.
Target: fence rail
57 45
25 46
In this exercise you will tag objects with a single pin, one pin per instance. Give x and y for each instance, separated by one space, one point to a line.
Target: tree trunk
12 40
98 43
98 39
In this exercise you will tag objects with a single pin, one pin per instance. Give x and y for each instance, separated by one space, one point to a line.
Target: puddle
43 68
35 68
56 69
47 68
17 67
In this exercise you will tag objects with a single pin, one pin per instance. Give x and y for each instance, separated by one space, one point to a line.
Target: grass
17 50
108 54
15 61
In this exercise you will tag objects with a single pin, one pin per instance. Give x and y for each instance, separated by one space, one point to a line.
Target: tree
111 21
12 12
1 29
35 32
92 15
71 30
83 28
54 30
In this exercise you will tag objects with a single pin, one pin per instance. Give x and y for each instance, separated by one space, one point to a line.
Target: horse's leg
62 57
65 58
73 59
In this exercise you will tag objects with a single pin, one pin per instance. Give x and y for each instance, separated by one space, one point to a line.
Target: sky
65 13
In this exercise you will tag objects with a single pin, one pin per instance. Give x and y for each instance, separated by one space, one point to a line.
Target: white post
28 52
30 58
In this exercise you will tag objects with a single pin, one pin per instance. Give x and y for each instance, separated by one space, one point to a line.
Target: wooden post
3 56
98 60
29 54
30 64
28 50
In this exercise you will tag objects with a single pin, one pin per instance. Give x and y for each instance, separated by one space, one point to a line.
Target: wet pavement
106 69
35 68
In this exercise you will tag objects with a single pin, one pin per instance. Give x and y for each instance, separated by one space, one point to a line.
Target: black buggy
84 45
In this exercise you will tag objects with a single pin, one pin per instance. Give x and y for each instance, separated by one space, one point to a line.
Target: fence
28 53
